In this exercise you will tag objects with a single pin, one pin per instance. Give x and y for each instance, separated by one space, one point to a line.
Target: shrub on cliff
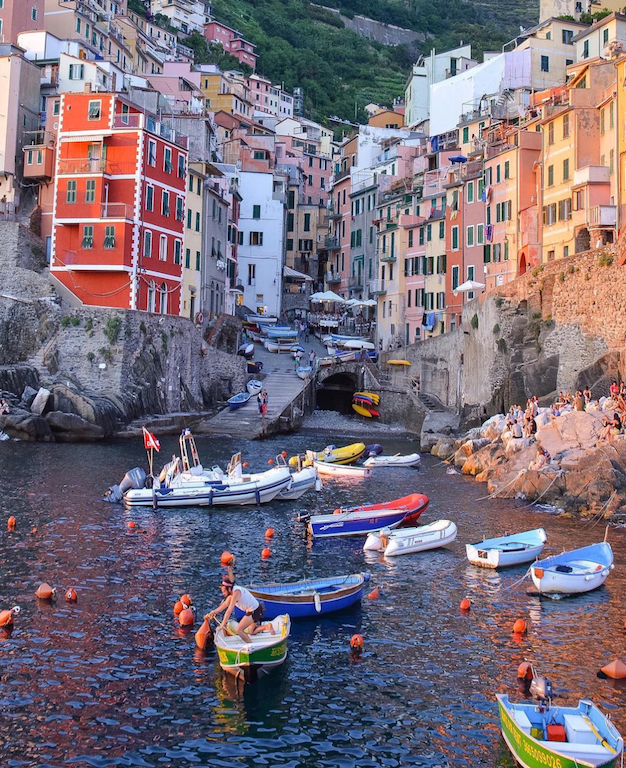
474 321
112 329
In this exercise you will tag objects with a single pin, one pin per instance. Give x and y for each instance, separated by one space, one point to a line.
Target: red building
119 205
232 42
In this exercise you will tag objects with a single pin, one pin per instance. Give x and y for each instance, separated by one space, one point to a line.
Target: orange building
119 205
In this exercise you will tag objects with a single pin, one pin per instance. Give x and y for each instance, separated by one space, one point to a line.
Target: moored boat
278 345
333 455
310 597
573 572
347 357
342 470
561 737
504 551
409 460
263 652
413 505
405 541
302 481
352 523
237 401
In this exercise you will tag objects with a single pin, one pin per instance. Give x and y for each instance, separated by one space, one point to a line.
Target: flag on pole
150 441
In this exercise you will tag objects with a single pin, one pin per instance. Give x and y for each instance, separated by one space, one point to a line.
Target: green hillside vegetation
304 45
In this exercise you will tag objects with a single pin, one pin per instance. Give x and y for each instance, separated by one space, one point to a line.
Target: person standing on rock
579 401
587 395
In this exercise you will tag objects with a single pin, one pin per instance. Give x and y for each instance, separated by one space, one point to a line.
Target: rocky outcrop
23 425
69 428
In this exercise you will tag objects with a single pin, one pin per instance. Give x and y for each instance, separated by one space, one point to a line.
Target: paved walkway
282 385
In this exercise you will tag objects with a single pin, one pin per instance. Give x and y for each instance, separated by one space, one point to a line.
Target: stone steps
431 403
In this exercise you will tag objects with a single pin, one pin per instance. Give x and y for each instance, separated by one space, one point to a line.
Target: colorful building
232 42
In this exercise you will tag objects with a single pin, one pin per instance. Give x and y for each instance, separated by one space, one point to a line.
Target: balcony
342 174
436 214
150 124
377 288
94 166
116 211
387 257
603 216
355 283
591 174
39 157
331 242
333 277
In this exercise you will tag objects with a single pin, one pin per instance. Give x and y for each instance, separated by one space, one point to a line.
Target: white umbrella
358 344
353 302
469 285
327 296
370 303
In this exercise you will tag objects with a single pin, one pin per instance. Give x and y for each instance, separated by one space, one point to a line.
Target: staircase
431 403
40 360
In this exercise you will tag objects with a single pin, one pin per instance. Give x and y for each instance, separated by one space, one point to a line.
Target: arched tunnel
335 393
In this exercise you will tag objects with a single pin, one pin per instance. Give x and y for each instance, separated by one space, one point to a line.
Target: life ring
199 318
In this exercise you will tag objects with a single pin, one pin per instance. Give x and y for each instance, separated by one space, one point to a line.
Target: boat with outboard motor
413 505
303 479
247 660
333 455
352 523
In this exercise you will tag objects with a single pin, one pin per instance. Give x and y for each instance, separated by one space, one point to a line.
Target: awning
294 274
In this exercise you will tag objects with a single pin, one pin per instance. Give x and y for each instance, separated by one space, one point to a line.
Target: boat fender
588 578
366 577
155 502
605 573
318 484
318 602
257 495
611 567
210 497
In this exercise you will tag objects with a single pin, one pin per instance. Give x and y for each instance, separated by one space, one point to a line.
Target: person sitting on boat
234 595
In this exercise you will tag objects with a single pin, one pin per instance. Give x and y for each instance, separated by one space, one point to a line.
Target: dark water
112 681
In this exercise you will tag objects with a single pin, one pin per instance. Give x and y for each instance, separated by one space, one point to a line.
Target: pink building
414 259
232 42
316 170
16 17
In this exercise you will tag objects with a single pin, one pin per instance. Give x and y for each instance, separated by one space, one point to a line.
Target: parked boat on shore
304 371
406 541
409 460
238 401
573 572
505 551
278 344
310 597
254 386
262 653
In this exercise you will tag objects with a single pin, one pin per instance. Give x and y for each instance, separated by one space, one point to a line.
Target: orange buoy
525 671
625 625
185 617
45 591
11 523
34 530
131 524
356 642
283 454
204 636
186 600
266 552
269 533
71 596
270 461
374 594
178 607
6 617
226 558
616 670
519 627
245 464
465 604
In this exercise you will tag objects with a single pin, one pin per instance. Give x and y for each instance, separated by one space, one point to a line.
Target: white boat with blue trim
573 572
509 550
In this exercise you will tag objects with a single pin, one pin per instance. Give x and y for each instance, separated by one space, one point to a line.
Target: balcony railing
387 256
333 277
341 174
331 242
603 216
151 125
377 287
94 165
355 283
116 211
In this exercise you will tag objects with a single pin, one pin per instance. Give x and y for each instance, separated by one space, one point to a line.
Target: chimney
88 87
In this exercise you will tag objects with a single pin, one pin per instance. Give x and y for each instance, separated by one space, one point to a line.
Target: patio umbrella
458 159
370 303
327 296
469 285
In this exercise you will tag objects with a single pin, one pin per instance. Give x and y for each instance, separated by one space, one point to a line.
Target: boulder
516 444
26 426
484 460
70 428
445 448
97 410
28 395
40 401
471 446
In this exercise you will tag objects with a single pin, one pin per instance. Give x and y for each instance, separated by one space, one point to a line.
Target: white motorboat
405 541
302 481
504 551
409 460
342 470
254 386
573 572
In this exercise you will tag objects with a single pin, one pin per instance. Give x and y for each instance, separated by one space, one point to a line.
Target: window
70 195
410 238
151 153
180 209
611 160
429 232
90 191
251 274
290 244
545 63
33 14
165 204
147 244
109 237
466 134
551 133
470 236
566 126
56 107
259 154
488 214
189 215
470 192
507 170
187 258
87 236
566 36
256 238
602 121
290 222
197 261
167 160
177 251
421 239
125 114
498 173
197 221
585 53
256 211
487 254
506 250
163 293
455 238
565 209
307 223
163 248
181 166
565 251
77 20
605 36
565 170
550 174
442 229
151 296
455 278
480 234
76 73
94 110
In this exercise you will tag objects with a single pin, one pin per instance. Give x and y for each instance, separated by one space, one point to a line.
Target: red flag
150 441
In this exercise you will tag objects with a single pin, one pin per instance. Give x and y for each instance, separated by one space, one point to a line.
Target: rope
558 474
499 490
515 583
596 518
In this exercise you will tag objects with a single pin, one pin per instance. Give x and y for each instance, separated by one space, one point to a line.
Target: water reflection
111 680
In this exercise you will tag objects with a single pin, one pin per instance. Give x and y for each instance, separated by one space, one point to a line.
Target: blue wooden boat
357 523
310 597
281 333
238 400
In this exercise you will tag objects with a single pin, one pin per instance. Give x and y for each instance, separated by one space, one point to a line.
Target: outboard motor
541 688
375 449
134 478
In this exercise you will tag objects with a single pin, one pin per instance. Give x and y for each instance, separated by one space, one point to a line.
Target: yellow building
227 92
391 280
193 248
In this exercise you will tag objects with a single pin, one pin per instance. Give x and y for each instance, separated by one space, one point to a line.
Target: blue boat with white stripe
310 597
357 523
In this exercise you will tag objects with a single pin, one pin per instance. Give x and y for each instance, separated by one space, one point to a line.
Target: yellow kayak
368 395
398 362
361 411
332 455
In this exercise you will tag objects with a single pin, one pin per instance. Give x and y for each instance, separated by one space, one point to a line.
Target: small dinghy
505 551
302 481
541 734
246 350
352 523
304 371
249 660
413 505
409 460
342 470
278 345
333 455
239 400
311 597
254 387
573 572
405 541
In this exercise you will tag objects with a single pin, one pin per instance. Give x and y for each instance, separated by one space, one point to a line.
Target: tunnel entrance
336 393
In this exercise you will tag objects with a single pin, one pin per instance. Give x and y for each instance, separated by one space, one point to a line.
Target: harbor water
112 681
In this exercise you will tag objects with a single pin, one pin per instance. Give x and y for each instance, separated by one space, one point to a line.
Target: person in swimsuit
234 595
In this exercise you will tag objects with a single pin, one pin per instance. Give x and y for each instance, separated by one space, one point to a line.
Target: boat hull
494 558
249 661
239 400
345 455
301 482
574 572
342 470
414 505
407 541
552 583
354 523
410 460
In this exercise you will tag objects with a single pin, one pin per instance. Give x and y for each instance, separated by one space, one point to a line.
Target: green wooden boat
258 657
591 739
